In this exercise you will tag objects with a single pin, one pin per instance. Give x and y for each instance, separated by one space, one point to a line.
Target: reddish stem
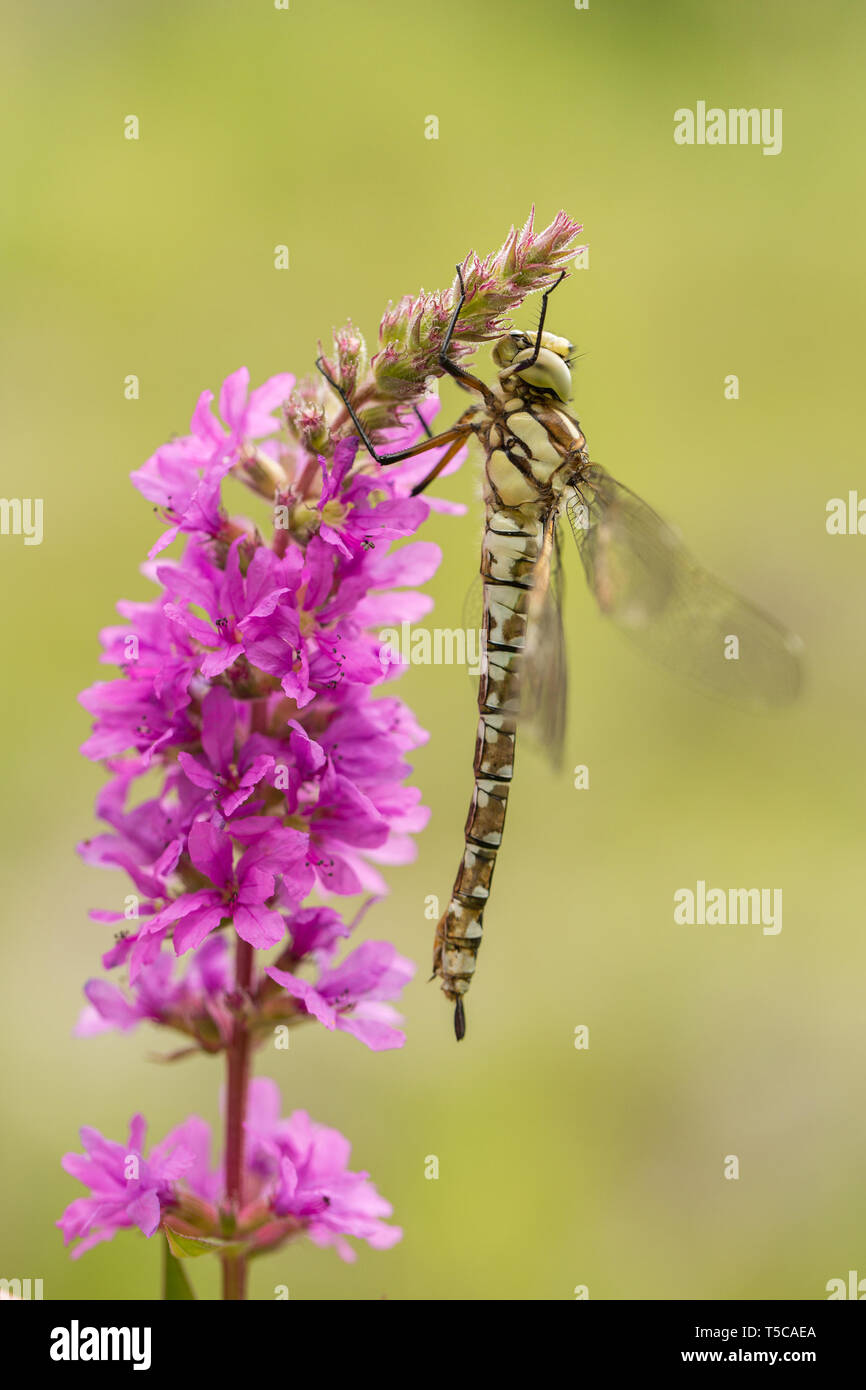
238 1058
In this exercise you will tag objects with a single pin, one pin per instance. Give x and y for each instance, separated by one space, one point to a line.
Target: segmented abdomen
512 540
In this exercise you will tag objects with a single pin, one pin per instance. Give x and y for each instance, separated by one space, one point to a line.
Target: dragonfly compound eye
548 372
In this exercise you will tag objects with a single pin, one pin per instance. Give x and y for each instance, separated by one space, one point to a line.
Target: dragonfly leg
544 298
460 375
437 468
432 442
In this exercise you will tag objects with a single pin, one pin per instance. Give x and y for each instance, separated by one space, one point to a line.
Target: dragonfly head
551 368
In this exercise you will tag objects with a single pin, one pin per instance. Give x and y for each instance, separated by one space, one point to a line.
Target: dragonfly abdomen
512 541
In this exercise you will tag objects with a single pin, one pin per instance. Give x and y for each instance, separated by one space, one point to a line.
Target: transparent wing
473 621
645 580
473 606
544 679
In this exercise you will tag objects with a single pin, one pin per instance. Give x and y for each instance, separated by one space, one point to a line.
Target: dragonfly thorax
544 365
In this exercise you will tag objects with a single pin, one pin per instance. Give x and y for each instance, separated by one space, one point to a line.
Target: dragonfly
537 472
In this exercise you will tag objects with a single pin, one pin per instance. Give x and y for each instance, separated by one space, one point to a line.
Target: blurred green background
557 1167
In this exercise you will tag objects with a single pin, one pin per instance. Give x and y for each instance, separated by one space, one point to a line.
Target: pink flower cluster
298 1181
251 766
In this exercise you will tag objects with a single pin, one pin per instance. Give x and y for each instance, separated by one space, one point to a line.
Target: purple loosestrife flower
245 697
194 1002
349 997
299 1183
231 600
184 476
143 710
305 1168
126 1189
215 772
354 514
240 890
285 621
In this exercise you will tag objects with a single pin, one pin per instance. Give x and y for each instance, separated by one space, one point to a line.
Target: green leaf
175 1281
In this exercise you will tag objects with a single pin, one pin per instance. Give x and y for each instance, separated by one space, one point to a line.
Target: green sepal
185 1247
